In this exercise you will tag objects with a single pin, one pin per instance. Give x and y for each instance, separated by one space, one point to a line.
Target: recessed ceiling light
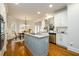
38 12
50 6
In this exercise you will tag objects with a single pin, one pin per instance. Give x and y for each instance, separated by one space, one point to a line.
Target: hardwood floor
55 50
21 50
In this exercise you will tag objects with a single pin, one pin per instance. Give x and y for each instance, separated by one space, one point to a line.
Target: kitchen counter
37 43
39 35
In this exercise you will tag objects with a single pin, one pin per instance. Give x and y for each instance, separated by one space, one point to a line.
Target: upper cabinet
51 20
60 18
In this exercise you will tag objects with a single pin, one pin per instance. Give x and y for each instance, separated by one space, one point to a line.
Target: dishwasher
52 38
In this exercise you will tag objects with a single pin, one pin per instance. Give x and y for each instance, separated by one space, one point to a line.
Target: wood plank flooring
55 50
21 50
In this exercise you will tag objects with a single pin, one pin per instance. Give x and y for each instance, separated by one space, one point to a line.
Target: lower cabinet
61 39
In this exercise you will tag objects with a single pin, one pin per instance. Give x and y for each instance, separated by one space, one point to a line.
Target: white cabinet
61 39
51 20
60 18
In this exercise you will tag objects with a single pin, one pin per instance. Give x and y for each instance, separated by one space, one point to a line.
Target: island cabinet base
37 46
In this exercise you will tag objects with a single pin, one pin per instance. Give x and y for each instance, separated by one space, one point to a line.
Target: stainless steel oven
2 33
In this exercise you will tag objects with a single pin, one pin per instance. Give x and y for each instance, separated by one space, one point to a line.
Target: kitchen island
37 43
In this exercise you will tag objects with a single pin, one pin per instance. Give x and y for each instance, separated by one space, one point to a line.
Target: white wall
73 27
12 21
13 26
3 13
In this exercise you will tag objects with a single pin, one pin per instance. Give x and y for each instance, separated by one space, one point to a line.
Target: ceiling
29 10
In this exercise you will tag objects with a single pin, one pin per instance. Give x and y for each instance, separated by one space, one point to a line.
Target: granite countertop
40 35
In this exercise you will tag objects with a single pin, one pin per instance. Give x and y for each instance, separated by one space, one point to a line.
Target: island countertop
37 43
40 35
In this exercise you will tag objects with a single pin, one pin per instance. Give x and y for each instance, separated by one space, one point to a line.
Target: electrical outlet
71 44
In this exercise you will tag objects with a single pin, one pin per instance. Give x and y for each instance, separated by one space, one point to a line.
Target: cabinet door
59 39
51 20
60 18
57 19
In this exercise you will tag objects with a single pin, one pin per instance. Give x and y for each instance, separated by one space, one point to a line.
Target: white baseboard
73 49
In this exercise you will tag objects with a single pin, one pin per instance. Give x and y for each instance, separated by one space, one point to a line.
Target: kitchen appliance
51 27
52 38
2 33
